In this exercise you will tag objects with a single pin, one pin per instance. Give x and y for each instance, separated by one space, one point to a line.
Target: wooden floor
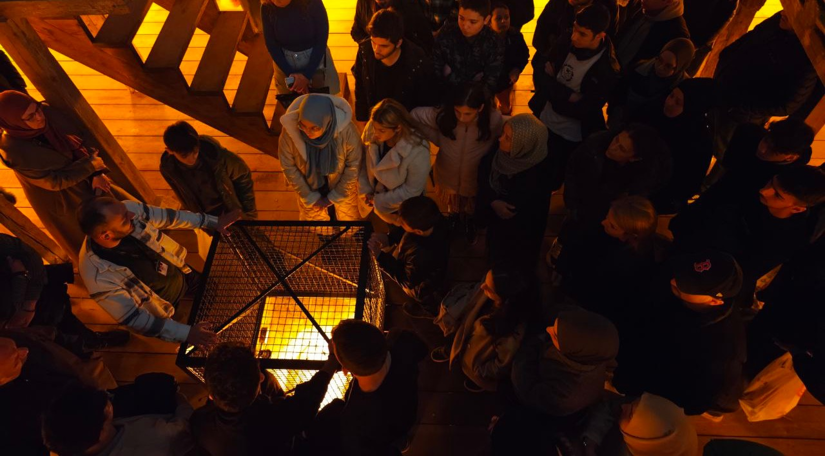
453 421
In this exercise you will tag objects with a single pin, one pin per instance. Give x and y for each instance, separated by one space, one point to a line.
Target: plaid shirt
128 300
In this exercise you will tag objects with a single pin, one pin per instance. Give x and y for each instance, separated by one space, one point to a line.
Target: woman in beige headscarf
650 426
510 200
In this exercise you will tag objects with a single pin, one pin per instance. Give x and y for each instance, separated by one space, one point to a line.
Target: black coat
660 33
416 26
765 72
706 18
413 90
519 238
556 21
267 426
596 86
695 359
516 57
232 176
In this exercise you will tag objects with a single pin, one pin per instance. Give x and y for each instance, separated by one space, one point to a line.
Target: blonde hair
392 114
636 216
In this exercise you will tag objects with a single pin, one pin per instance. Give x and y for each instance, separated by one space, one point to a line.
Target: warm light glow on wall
230 5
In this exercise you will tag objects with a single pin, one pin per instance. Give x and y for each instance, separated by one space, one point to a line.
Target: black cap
708 273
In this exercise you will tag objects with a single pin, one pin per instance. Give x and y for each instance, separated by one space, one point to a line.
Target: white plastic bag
774 392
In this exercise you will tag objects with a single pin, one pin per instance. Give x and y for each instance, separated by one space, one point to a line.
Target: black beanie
708 273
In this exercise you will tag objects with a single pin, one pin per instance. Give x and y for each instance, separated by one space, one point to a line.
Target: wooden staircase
105 45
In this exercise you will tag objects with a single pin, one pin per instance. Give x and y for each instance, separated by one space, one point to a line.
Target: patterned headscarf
528 149
14 104
322 158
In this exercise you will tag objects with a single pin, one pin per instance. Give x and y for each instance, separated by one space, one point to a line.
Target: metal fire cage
280 288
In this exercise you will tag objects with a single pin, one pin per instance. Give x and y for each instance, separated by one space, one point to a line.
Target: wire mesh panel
280 288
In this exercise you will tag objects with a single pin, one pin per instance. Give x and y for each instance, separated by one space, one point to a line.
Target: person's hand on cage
226 220
377 242
200 335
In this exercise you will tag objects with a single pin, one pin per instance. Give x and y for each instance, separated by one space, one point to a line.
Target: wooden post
29 52
19 225
806 19
253 8
10 9
816 119
737 27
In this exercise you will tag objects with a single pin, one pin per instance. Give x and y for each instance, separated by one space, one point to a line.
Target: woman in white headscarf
320 151
650 426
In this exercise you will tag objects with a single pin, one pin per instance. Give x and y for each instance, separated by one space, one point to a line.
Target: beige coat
400 175
484 359
456 165
343 182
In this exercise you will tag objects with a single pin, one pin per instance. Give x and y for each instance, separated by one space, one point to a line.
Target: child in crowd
516 56
468 51
463 129
415 254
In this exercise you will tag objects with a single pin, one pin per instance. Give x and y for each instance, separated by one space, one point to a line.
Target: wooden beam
177 32
28 51
804 18
20 226
816 118
119 29
738 26
255 81
210 18
253 8
165 85
11 9
219 53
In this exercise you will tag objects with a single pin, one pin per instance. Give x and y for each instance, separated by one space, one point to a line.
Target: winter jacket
418 263
456 165
642 37
413 90
596 86
484 359
692 358
593 181
267 426
516 57
401 174
556 21
343 183
467 58
116 289
19 287
416 26
232 176
161 435
765 72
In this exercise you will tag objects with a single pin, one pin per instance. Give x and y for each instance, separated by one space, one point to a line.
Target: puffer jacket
232 176
399 175
293 155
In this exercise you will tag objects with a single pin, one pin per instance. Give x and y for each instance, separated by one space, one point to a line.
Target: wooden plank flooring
452 421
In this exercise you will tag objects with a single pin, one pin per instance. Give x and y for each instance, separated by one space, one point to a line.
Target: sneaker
109 339
440 354
472 387
416 310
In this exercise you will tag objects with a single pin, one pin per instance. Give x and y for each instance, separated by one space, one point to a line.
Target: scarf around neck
529 148
322 156
14 104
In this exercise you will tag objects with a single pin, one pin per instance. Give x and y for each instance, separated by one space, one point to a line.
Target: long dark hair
471 95
520 295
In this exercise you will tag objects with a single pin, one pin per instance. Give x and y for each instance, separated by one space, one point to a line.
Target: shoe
472 387
440 354
416 310
109 339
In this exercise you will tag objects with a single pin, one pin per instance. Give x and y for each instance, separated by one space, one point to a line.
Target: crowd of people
689 259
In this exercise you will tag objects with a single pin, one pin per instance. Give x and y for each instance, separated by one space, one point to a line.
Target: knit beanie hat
708 273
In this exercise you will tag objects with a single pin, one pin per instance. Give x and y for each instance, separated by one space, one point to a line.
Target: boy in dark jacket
467 50
389 66
645 33
556 21
516 55
416 26
248 413
415 255
573 81
685 340
761 230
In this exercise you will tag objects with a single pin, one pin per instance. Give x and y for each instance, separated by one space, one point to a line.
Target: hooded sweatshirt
562 381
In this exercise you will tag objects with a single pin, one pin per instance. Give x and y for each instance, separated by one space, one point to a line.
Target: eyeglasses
38 107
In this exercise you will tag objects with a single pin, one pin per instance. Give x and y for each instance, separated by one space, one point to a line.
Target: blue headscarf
322 158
